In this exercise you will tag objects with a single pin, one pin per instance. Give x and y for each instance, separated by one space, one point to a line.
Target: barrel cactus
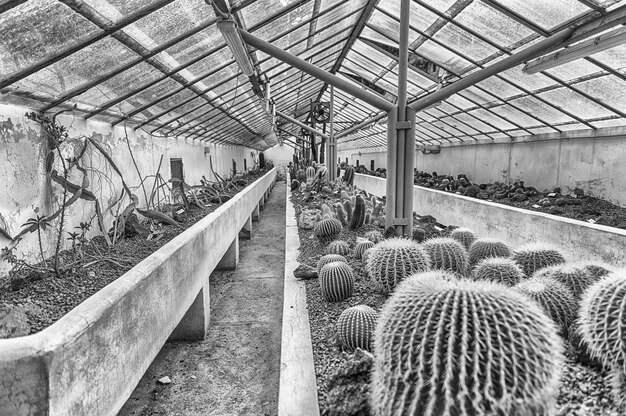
394 259
464 236
338 247
484 248
374 236
432 332
595 270
329 258
500 270
327 229
447 254
554 297
534 256
336 281
360 248
575 278
355 327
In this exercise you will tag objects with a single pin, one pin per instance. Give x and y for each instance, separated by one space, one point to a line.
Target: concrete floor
235 370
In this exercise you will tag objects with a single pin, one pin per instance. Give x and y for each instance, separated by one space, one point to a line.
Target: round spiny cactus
365 255
464 236
338 247
329 258
355 327
500 270
374 236
534 256
446 347
554 297
575 278
484 248
447 254
327 229
595 270
336 281
394 259
310 174
360 248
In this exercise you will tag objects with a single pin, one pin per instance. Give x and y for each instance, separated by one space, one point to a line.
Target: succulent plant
575 278
341 214
554 297
355 327
394 259
338 247
310 174
344 195
360 248
336 281
347 205
358 215
301 175
348 175
434 332
374 236
500 270
327 229
295 184
484 248
534 256
326 211
368 216
365 255
464 236
595 270
447 254
378 209
329 258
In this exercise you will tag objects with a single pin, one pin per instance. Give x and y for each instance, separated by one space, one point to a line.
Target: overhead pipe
301 124
360 125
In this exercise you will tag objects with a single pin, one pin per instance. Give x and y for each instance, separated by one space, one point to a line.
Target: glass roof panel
516 116
462 40
573 70
261 10
610 90
421 18
530 82
542 110
124 7
547 14
499 88
444 57
196 45
575 103
614 57
492 119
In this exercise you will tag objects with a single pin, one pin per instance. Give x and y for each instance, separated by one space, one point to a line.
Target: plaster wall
25 192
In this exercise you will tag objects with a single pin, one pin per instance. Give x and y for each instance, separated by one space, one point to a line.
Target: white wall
25 192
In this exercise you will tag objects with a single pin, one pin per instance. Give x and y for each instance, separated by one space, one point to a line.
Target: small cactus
365 255
355 327
534 256
575 278
374 236
347 205
327 229
447 254
437 354
329 258
394 259
554 297
310 174
338 247
348 175
341 214
360 248
326 211
499 270
358 215
464 236
484 248
336 281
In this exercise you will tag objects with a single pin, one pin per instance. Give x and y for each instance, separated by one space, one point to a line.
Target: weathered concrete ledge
298 388
89 362
580 240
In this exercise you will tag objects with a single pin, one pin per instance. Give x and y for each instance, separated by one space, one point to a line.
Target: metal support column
331 143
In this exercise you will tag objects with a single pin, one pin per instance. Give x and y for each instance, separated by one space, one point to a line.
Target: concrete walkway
235 370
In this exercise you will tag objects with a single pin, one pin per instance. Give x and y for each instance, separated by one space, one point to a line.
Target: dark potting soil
32 301
584 390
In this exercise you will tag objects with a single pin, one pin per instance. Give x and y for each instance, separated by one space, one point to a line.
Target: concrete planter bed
89 361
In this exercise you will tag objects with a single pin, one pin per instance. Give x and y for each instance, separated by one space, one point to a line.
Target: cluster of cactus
484 248
329 258
464 236
432 358
355 327
534 256
447 254
374 236
336 281
394 259
338 247
360 248
575 278
499 270
556 299
327 229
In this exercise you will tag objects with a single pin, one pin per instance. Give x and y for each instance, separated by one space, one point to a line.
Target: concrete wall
89 362
593 164
25 192
578 239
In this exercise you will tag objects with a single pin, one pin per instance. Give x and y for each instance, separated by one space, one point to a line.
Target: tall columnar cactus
575 278
554 297
358 215
327 229
603 329
329 258
374 236
394 259
336 281
355 327
348 175
484 248
310 174
341 214
301 175
338 247
360 248
464 236
500 270
534 256
446 347
447 254
347 205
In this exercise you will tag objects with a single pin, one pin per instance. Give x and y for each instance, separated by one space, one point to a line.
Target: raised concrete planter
298 388
580 240
89 362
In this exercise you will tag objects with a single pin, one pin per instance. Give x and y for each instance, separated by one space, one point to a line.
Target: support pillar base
195 324
230 261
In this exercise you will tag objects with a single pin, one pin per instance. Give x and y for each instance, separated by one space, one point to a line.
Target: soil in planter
33 301
584 391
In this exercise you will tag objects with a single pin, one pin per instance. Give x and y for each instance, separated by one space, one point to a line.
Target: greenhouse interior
313 207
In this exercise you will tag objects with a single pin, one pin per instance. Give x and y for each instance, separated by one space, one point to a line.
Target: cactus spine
355 327
360 248
434 331
338 247
327 229
555 298
484 248
535 256
447 254
329 258
336 281
499 270
358 215
464 236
